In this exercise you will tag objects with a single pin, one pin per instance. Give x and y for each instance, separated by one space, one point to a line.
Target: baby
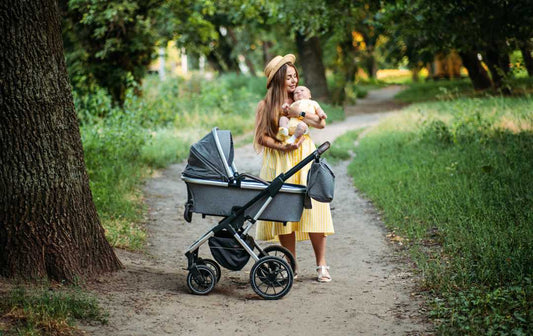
291 129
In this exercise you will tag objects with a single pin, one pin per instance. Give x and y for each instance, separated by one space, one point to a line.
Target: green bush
152 131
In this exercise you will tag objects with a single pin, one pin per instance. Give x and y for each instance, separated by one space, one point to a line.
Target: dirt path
371 291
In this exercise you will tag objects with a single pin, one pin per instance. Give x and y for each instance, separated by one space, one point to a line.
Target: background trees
480 30
109 45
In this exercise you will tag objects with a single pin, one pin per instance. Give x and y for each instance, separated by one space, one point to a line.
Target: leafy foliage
108 43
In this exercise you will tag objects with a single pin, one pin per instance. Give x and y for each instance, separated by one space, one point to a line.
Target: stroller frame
271 276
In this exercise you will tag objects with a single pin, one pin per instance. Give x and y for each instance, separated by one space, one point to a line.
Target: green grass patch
47 311
436 90
342 147
456 179
454 89
335 113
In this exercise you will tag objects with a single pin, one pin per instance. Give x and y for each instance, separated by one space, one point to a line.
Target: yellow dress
317 219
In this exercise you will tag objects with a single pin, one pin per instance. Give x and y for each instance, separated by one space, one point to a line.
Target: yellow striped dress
317 219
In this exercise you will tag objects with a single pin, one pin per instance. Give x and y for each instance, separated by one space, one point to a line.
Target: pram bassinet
215 188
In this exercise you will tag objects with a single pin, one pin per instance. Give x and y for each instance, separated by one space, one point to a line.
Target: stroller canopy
212 157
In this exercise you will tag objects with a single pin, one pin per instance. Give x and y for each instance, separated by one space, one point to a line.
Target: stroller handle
322 148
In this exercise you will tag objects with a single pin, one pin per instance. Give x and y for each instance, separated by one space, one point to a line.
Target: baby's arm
285 109
320 112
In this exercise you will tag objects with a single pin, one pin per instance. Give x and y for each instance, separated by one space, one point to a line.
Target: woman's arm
310 119
314 120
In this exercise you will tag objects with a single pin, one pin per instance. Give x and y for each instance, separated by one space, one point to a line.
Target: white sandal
323 274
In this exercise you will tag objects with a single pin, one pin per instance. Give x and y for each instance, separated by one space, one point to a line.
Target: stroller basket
216 198
227 251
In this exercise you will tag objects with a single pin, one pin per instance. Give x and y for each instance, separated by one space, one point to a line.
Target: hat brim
278 63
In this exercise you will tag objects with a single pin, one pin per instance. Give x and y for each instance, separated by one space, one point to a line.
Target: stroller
215 188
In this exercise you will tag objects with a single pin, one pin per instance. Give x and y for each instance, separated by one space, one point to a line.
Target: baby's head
302 92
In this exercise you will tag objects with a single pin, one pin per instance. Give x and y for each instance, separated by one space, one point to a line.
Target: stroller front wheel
271 277
201 282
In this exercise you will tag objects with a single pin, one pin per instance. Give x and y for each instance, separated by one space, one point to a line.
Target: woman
278 157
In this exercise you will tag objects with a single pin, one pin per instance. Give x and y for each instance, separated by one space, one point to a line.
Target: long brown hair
269 110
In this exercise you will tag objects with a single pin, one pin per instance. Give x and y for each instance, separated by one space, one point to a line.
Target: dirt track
371 292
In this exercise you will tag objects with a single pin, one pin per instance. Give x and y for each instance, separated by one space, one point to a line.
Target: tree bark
249 63
498 64
49 227
525 48
478 75
267 55
314 71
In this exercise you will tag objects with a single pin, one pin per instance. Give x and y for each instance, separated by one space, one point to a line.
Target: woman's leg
289 242
318 240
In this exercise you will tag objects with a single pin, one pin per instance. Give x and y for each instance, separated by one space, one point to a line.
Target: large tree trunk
267 55
498 63
221 57
478 75
526 49
314 71
49 227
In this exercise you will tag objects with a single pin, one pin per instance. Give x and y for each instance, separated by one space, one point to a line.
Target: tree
49 227
471 27
111 42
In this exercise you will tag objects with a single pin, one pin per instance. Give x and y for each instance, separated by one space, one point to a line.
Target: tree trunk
49 227
249 63
498 64
478 75
314 71
267 55
528 59
371 63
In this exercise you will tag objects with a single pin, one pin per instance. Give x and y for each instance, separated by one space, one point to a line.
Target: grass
456 179
342 148
453 89
47 311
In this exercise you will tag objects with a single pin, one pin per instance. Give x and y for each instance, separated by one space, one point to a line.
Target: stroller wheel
203 282
283 253
187 213
271 277
212 265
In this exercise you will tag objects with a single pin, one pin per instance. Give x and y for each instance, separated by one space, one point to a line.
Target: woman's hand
286 147
285 109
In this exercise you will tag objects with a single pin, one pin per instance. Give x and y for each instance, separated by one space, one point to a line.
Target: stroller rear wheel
212 265
203 281
271 277
283 253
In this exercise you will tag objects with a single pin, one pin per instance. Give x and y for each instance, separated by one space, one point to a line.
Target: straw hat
277 62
